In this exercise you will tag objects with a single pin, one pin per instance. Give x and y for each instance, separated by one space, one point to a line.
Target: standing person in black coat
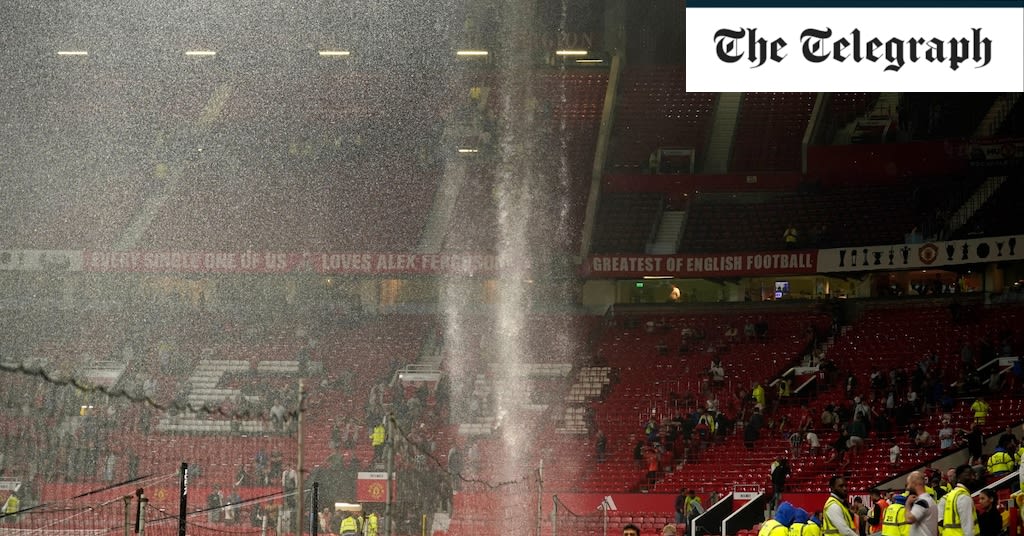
990 522
752 431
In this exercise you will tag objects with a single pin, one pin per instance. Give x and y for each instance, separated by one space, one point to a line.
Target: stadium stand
271 162
756 221
653 113
626 222
941 116
769 131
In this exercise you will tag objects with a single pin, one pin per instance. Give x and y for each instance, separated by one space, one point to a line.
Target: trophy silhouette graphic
999 249
1012 242
950 251
983 250
892 253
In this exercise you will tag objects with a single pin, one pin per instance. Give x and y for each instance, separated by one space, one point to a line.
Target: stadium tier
769 131
502 288
652 113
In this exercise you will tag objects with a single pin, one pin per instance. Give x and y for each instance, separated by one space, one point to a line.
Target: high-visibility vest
12 505
709 420
377 437
812 529
1019 456
1000 462
894 522
371 525
773 528
758 394
951 517
348 526
980 409
827 527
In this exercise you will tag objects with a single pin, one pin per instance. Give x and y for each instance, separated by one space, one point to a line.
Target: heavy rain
386 267
252 239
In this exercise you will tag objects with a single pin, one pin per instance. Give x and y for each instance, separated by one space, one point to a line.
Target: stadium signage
372 486
281 262
854 45
921 256
818 46
1006 154
52 260
685 266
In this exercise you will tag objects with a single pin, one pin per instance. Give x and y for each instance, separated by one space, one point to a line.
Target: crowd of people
930 504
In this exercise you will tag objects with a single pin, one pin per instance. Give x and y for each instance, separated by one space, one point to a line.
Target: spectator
213 504
839 447
922 513
813 443
894 454
922 439
752 431
638 454
680 505
860 516
717 373
975 440
828 416
790 236
693 506
990 522
761 327
732 334
277 413
858 431
876 512
651 430
779 473
232 513
653 462
795 442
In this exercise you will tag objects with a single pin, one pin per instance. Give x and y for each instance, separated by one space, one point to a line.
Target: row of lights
343 53
564 53
326 53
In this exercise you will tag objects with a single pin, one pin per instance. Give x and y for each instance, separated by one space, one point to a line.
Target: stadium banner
371 486
710 265
921 256
40 260
270 262
854 45
996 155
